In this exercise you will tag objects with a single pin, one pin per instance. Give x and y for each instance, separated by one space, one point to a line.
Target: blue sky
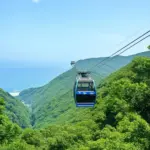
46 31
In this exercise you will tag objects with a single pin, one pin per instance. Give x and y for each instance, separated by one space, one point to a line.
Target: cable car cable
120 49
128 48
126 45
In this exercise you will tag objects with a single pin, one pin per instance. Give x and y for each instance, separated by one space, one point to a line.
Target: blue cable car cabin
84 92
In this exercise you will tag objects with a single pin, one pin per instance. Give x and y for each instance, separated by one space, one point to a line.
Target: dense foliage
54 104
15 110
8 131
119 121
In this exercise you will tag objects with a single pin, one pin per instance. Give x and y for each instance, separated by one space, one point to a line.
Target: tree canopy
120 119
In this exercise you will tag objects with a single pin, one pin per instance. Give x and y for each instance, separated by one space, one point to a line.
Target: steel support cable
135 44
120 49
103 76
127 48
118 45
103 81
123 50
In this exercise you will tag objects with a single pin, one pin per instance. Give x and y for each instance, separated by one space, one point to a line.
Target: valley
119 119
53 103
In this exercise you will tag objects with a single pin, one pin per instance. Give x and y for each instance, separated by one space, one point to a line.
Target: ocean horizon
18 79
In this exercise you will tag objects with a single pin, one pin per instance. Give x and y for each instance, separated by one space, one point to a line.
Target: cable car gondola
84 90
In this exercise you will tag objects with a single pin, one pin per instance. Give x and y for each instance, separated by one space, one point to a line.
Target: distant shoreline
14 93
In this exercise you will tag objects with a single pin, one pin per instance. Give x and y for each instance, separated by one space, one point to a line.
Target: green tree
135 130
2 105
148 47
8 130
32 137
18 145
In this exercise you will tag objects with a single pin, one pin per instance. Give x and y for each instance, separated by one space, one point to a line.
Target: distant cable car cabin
72 63
84 90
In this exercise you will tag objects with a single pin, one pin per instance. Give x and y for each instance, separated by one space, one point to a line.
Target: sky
48 31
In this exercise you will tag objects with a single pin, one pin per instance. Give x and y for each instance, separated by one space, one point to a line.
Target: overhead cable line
103 81
120 49
111 56
127 48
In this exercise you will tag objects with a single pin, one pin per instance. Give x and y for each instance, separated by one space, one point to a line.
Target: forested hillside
120 119
15 110
53 103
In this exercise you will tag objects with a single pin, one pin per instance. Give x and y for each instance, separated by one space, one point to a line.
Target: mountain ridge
49 98
119 120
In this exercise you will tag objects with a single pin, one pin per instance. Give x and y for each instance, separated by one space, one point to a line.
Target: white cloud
35 1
